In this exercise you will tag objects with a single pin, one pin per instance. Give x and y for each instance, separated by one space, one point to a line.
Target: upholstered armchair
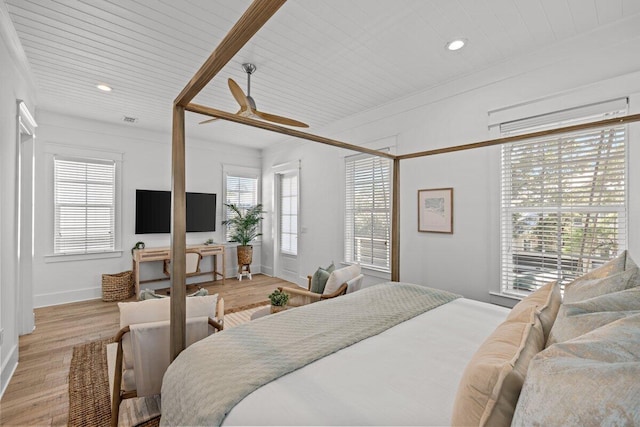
139 357
338 282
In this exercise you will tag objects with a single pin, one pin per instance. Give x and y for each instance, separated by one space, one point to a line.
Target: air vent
128 119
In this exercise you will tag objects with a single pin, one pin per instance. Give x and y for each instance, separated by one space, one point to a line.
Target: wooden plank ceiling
318 60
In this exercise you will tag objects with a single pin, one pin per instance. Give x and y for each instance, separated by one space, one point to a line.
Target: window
563 205
368 211
242 191
84 198
289 213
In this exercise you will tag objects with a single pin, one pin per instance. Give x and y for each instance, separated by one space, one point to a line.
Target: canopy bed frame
256 15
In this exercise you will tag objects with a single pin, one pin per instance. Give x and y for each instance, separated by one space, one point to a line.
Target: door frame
24 205
278 170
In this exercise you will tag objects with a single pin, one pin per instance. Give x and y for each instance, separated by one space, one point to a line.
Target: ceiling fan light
456 44
103 87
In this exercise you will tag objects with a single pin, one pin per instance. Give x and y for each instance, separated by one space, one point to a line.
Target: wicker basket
117 287
245 255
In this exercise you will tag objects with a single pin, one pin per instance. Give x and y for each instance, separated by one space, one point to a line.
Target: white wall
14 84
146 165
599 66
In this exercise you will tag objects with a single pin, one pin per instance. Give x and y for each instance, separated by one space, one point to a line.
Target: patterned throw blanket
211 376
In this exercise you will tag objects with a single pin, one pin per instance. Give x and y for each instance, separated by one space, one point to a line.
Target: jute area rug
89 398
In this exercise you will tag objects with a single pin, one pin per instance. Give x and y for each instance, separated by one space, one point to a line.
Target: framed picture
435 210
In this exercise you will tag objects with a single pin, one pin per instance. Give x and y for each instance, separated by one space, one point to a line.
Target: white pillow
340 276
156 310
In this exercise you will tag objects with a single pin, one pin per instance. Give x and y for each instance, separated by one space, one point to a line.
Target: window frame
52 150
238 172
282 176
562 272
350 256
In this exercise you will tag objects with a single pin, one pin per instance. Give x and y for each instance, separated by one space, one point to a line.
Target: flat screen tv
153 212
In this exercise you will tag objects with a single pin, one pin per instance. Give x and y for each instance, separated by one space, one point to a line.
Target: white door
287 215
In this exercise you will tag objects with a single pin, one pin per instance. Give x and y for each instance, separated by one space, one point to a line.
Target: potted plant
244 229
278 300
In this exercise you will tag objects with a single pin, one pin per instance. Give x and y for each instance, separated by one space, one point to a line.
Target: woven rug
89 398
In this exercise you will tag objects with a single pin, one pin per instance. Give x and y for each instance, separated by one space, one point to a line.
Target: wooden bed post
256 15
395 222
178 236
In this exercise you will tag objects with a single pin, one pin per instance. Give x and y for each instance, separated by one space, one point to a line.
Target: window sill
371 271
504 299
81 257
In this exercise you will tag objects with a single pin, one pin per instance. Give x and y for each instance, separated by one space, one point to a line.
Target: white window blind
289 213
563 206
368 211
241 191
84 198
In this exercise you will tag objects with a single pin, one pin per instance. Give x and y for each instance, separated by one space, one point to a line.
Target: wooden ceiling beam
488 143
208 111
258 13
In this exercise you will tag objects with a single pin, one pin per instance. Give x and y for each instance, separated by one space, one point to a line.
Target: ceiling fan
248 105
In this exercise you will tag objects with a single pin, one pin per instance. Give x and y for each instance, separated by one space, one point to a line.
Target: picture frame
435 210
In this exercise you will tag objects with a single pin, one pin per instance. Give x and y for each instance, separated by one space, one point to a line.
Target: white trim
59 149
580 104
81 257
14 46
25 114
66 297
8 369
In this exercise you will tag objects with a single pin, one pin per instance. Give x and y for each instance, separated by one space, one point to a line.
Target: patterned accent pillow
591 380
578 318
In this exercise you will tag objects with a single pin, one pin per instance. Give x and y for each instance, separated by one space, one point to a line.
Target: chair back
193 262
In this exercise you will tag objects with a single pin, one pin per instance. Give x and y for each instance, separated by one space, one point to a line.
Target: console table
161 254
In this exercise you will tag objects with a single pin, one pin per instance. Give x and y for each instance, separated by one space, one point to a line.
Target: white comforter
407 375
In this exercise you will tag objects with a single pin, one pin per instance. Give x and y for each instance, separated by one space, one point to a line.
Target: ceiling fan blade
208 121
279 119
238 94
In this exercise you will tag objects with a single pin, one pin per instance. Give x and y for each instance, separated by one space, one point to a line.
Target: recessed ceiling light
103 87
456 44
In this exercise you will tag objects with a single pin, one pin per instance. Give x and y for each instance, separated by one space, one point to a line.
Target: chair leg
115 409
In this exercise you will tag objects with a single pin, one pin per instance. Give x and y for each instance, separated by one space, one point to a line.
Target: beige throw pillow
491 382
340 276
547 299
591 380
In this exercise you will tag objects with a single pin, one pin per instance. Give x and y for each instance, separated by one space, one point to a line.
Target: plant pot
278 308
245 255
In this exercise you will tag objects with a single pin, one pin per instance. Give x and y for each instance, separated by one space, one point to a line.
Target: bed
434 358
403 365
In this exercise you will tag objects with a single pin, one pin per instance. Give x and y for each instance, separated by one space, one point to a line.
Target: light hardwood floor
38 391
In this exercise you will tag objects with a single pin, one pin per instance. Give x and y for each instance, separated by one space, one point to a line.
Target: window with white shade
241 189
84 199
368 211
289 213
564 201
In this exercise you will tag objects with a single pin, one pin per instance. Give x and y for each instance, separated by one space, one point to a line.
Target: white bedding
407 375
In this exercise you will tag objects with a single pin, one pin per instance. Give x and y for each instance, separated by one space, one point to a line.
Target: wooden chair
350 279
193 258
119 354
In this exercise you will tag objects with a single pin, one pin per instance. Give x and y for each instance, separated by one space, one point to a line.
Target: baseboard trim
65 297
8 369
268 271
